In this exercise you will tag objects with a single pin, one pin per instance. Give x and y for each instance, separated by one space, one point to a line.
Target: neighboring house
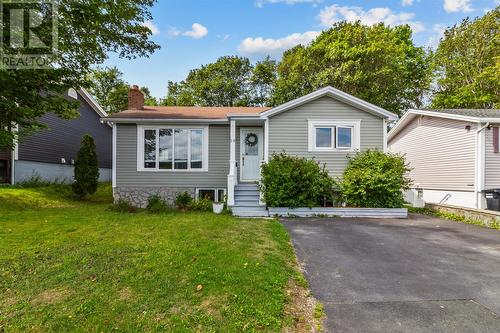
454 154
217 151
51 152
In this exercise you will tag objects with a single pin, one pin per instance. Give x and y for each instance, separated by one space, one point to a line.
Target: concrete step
249 185
251 214
245 190
246 202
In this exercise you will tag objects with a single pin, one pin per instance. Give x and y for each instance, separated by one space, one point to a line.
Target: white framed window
214 194
333 135
172 148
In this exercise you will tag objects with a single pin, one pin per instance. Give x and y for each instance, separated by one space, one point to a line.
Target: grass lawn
71 266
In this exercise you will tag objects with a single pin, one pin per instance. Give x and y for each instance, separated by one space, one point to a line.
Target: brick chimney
135 98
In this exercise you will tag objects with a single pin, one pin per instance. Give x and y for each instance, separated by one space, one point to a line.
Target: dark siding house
50 153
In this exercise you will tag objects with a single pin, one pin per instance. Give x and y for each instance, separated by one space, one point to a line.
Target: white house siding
440 151
492 162
288 131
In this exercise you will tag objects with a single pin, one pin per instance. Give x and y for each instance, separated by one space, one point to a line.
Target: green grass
72 266
453 217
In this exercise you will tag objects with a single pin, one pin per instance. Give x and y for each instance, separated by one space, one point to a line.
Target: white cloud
335 13
270 46
197 31
406 3
151 26
454 6
438 30
260 3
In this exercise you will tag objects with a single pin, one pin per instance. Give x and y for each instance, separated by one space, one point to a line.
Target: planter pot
217 207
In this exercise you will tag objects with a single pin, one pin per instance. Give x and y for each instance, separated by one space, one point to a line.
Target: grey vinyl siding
288 131
440 151
126 162
62 138
492 162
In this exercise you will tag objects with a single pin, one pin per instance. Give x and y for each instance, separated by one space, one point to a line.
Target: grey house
454 154
50 153
217 151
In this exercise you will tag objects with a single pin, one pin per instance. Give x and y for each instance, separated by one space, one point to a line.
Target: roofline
402 122
92 102
160 121
337 94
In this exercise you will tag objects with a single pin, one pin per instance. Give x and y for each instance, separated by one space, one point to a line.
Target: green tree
262 81
377 63
222 83
148 98
467 63
109 89
87 31
86 169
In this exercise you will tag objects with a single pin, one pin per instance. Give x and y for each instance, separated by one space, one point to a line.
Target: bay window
172 148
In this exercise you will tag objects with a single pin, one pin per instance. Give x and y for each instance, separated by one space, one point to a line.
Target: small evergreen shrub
122 206
156 204
375 179
201 205
182 200
290 181
86 169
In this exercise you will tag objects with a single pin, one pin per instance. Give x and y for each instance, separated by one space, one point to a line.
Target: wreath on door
251 139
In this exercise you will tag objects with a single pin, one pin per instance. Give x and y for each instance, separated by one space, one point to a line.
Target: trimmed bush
375 179
290 181
182 200
86 169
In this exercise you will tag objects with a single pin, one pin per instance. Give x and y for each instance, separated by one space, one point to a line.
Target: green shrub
375 179
289 181
86 169
122 206
183 200
201 205
156 204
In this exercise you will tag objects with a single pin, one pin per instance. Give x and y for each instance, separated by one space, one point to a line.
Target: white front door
251 153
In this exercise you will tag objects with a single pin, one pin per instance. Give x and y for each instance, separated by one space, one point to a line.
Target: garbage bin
493 199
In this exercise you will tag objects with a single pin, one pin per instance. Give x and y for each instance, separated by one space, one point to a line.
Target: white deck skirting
399 213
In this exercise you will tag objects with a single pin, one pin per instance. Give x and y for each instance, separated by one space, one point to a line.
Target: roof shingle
478 113
186 112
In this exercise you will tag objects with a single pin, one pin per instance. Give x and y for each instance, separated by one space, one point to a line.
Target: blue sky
196 32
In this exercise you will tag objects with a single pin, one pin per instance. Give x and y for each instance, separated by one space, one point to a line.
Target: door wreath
251 139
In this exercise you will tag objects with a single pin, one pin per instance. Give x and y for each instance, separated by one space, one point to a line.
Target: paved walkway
417 275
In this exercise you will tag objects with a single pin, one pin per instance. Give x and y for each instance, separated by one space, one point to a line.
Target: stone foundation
138 196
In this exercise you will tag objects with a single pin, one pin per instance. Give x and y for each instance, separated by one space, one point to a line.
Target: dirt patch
212 306
50 296
305 311
125 294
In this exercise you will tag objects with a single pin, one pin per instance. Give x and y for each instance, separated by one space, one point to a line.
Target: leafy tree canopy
230 81
467 64
87 31
377 63
111 91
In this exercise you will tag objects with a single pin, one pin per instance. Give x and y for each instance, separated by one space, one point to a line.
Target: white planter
217 207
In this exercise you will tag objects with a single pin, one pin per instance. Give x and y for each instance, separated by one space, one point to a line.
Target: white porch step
249 211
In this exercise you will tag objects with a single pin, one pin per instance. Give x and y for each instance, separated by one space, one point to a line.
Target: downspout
479 157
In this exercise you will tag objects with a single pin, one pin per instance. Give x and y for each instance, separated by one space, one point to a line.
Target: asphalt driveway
422 274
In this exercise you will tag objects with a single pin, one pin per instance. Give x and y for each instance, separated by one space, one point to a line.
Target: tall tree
87 31
222 83
467 64
377 63
109 88
262 81
148 98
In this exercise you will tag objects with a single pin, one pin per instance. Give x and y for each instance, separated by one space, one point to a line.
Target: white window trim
356 134
140 148
216 189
